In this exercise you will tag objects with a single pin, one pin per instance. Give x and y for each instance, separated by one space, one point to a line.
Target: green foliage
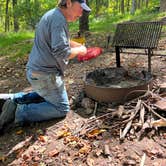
16 44
8 39
29 12
107 22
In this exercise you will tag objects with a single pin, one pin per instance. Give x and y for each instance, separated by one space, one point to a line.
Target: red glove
92 52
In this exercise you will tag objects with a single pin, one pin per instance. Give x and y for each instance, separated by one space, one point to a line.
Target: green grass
108 23
11 38
16 45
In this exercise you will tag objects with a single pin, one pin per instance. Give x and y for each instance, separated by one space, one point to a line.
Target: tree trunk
16 24
138 4
146 3
133 7
84 22
7 16
162 5
122 7
97 7
128 5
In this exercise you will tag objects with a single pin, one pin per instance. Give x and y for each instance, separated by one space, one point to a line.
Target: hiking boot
2 101
8 113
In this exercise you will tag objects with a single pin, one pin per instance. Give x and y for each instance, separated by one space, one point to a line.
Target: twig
142 114
20 145
87 124
150 109
127 128
95 109
142 163
137 108
100 117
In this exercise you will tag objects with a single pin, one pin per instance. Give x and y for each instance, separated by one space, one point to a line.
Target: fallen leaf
98 152
161 104
63 133
159 123
90 162
71 139
36 158
26 157
20 145
19 153
69 160
164 135
41 149
19 132
53 153
153 152
40 132
35 164
119 112
2 158
85 149
42 138
95 133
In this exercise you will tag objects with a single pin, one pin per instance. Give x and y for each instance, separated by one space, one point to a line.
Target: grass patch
107 23
8 39
16 45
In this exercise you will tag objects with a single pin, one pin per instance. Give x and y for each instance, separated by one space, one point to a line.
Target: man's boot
2 101
8 113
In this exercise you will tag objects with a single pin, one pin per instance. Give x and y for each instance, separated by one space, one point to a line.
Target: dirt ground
57 142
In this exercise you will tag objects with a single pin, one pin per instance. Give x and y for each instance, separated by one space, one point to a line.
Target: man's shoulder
54 15
49 13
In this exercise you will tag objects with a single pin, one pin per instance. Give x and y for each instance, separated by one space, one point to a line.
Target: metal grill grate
144 35
137 35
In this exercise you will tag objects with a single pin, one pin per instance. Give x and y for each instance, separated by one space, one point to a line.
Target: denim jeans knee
51 88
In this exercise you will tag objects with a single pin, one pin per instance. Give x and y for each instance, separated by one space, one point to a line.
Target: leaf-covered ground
65 141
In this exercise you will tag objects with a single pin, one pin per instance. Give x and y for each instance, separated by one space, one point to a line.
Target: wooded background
18 15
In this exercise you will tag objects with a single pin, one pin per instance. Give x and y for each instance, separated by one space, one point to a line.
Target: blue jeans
27 98
55 104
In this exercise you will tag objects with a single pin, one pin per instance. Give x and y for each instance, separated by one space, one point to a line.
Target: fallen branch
20 145
150 109
125 131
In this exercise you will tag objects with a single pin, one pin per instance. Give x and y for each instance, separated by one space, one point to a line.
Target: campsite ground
59 142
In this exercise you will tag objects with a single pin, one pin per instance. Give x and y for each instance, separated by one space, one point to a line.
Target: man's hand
81 50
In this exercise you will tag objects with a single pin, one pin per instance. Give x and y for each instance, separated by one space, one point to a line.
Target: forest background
19 18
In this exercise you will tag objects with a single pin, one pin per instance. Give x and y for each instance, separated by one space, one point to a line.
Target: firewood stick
142 114
150 109
100 117
124 132
22 144
107 150
137 108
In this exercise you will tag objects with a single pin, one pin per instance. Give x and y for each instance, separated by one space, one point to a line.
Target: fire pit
116 84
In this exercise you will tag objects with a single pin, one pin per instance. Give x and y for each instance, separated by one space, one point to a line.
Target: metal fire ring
117 95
